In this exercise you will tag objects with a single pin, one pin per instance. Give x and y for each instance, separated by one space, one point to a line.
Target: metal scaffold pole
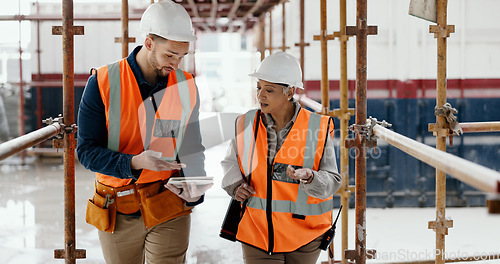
361 108
124 39
69 253
344 115
302 44
323 38
270 48
441 224
360 142
262 37
22 116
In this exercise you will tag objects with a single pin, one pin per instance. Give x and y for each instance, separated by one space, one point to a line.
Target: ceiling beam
254 8
194 8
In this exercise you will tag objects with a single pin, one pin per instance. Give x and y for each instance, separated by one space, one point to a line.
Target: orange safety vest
126 116
280 216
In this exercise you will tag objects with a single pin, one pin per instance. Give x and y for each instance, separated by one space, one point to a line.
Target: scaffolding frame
361 141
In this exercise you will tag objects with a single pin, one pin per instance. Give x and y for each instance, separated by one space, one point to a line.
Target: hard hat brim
269 78
178 38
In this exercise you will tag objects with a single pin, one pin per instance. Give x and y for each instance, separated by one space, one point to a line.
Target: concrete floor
32 221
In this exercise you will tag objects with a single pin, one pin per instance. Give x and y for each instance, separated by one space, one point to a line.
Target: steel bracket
299 44
440 32
129 40
324 35
440 224
61 253
338 34
74 30
361 26
342 114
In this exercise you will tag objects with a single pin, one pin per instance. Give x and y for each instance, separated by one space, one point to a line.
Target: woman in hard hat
281 166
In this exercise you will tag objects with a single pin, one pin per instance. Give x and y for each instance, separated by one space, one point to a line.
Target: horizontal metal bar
51 84
480 127
303 99
21 143
475 175
34 17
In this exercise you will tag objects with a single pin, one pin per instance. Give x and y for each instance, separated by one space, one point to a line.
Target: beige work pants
132 243
307 254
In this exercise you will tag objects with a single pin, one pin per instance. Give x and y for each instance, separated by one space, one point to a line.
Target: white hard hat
168 20
280 67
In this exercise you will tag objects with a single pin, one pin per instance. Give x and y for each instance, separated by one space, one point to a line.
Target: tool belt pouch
126 201
102 218
160 205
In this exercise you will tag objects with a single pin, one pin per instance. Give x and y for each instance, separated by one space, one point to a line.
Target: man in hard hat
138 127
281 166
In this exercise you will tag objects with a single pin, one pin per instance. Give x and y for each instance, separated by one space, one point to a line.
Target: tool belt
156 203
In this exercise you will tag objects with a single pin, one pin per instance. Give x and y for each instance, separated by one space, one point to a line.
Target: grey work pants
307 254
132 243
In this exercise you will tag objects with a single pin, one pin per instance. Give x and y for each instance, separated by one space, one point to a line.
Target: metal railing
24 142
475 175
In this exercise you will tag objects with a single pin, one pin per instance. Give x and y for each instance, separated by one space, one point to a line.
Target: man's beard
155 65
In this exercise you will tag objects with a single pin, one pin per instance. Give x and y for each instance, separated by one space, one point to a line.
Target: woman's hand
243 191
304 175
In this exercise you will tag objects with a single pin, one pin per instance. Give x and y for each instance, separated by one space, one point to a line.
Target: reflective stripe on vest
114 106
248 134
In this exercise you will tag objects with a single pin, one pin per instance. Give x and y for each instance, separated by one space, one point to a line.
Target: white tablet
198 180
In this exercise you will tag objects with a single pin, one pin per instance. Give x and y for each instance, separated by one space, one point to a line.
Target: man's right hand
150 160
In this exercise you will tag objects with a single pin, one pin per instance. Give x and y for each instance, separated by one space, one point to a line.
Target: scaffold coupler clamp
65 129
371 122
59 120
448 112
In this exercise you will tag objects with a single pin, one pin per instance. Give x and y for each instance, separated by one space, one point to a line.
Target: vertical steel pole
69 138
124 28
262 39
283 47
302 11
270 32
360 168
344 123
22 117
39 109
325 100
440 138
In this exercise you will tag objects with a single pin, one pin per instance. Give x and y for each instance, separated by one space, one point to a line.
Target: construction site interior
413 86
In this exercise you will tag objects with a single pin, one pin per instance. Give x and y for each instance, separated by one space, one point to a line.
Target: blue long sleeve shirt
92 149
